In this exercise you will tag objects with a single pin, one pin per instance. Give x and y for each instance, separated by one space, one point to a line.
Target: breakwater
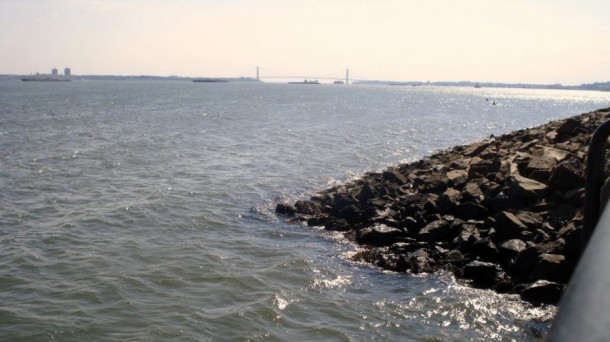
503 213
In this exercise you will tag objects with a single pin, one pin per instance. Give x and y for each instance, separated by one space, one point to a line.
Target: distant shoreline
599 86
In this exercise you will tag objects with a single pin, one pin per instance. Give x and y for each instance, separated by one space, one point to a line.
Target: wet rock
454 257
420 261
307 207
367 193
337 225
543 291
378 235
481 273
351 213
285 209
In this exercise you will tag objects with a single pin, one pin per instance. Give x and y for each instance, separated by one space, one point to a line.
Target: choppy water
143 211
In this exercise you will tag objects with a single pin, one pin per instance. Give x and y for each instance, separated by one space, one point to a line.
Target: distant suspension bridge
334 77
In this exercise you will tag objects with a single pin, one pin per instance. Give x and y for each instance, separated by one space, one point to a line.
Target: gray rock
510 249
435 231
527 188
379 235
567 175
420 262
394 176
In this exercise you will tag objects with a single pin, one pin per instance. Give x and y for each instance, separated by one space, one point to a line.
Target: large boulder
436 231
567 175
543 291
527 188
508 226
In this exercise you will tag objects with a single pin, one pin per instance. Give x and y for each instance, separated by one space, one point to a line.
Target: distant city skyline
539 41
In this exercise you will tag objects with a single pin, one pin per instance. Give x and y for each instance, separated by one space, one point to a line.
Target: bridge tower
346 76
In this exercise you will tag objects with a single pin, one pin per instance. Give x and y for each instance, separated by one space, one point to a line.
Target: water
143 211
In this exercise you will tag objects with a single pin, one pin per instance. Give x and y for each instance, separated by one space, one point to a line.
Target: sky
529 41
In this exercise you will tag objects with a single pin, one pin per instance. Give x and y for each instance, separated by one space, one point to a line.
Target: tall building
67 72
54 72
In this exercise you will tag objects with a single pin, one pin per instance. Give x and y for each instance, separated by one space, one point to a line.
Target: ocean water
143 211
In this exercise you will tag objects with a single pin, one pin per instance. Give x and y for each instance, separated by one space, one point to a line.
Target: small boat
338 82
477 86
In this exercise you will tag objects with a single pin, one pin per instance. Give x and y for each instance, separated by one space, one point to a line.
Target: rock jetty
504 213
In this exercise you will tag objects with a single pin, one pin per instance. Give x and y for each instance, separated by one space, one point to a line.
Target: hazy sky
538 41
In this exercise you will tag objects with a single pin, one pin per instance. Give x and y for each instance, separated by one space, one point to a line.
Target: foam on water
144 210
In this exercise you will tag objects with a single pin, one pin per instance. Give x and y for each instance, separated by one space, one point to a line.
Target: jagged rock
572 236
567 175
472 192
435 183
530 219
508 225
510 249
457 177
394 176
351 213
527 188
307 207
337 225
481 273
543 291
466 238
482 167
477 148
420 262
435 231
486 250
378 235
285 209
366 193
525 262
448 200
471 211
549 267
454 257
568 126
